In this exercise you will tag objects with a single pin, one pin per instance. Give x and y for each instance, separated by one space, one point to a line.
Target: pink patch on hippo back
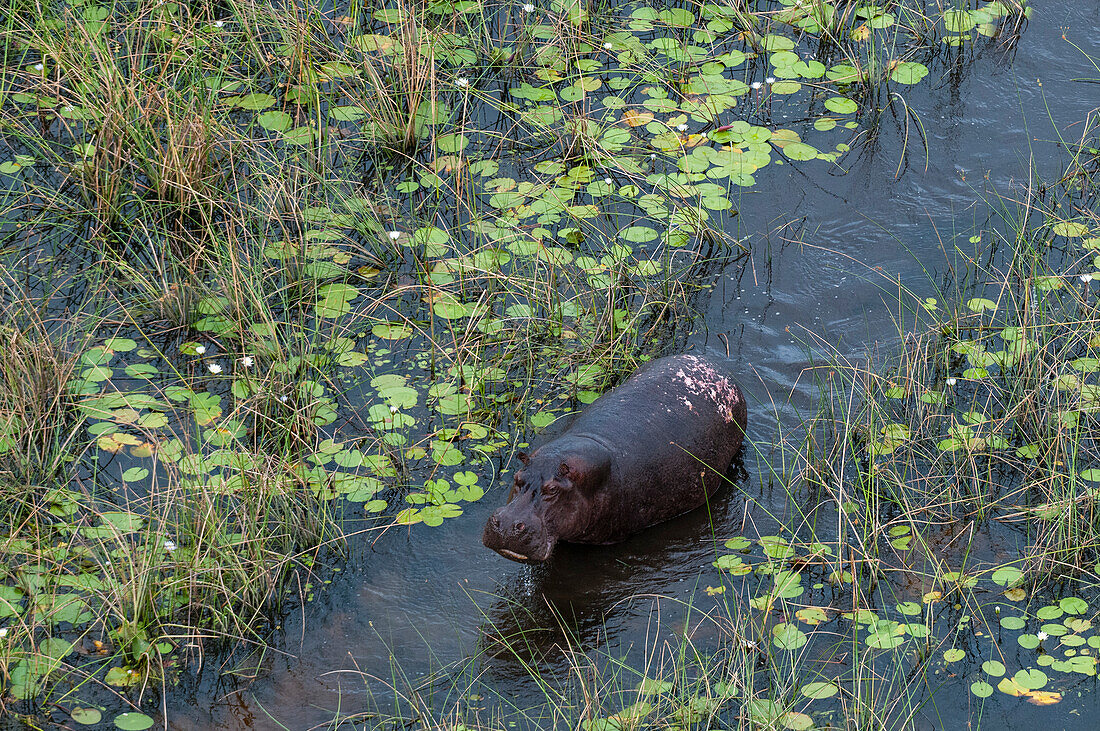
702 380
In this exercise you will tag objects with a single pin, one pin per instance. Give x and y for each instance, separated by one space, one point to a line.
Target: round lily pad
133 721
820 689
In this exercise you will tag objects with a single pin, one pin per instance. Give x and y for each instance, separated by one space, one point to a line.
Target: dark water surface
415 601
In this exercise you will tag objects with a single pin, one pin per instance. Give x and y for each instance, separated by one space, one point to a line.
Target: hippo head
553 498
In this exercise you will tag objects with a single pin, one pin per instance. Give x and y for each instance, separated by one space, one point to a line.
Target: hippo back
673 430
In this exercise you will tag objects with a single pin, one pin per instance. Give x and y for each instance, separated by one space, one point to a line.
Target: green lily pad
638 234
981 689
256 101
1071 229
86 716
133 721
787 636
909 72
820 689
841 105
275 121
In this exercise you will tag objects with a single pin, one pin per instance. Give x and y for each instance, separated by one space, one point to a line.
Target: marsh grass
261 187
983 418
39 431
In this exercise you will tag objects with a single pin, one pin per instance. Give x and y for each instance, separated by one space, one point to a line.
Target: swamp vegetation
283 279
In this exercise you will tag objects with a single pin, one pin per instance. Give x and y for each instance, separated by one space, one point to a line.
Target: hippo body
654 447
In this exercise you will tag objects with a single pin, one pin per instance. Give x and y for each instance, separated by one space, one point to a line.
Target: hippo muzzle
517 532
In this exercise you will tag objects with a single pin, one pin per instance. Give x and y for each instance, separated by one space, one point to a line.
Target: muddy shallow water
413 601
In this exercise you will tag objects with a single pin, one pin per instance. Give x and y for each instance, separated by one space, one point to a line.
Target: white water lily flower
3 631
462 82
219 23
215 368
682 127
756 85
950 381
1041 635
38 67
200 349
393 409
394 235
607 46
770 80
528 8
283 399
247 361
608 181
169 545
1086 278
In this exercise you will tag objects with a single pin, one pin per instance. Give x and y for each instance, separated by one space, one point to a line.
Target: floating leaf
908 72
841 105
820 689
452 142
86 716
638 234
994 668
797 721
275 121
1071 229
133 721
800 151
256 101
981 689
787 636
1007 576
335 299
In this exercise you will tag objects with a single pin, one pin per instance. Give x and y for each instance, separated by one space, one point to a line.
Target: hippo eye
552 489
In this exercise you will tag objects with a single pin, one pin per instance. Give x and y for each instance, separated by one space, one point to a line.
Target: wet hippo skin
656 446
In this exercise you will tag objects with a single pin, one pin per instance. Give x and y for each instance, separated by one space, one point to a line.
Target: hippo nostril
494 521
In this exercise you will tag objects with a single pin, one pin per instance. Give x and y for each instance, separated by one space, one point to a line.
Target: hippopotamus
654 447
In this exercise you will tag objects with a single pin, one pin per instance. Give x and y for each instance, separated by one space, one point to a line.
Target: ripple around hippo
642 453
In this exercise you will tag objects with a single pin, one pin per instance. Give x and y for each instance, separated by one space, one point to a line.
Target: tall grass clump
989 411
39 430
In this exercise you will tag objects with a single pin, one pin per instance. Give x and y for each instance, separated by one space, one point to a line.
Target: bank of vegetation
275 276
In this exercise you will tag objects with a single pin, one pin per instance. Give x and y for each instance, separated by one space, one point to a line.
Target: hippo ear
522 457
563 470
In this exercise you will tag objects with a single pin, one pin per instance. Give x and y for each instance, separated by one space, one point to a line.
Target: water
828 250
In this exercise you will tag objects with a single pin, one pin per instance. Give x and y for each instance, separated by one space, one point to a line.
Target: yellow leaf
811 615
1011 687
145 449
1044 697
